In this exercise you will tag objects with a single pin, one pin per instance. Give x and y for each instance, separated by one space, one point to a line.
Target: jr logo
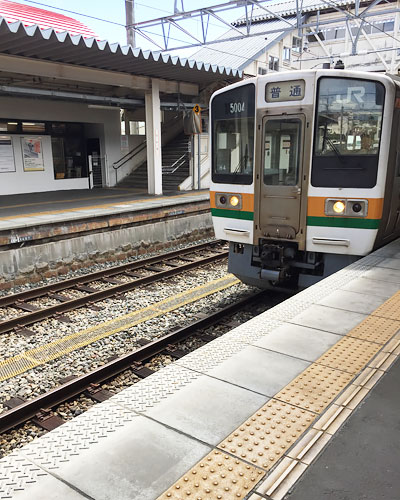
356 93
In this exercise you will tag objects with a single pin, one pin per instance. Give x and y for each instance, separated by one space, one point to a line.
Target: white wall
45 110
38 181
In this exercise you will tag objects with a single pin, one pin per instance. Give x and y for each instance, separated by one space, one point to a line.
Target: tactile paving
34 357
375 329
349 354
268 434
16 472
64 443
143 396
218 476
390 309
315 388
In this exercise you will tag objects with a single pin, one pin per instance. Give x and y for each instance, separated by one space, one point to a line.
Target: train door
393 219
282 161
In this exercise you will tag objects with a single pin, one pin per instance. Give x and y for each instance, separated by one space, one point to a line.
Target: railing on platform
129 156
171 169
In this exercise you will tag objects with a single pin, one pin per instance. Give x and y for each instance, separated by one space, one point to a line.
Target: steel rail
62 307
23 412
34 293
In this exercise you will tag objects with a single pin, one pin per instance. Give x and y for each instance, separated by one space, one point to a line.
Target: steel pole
130 20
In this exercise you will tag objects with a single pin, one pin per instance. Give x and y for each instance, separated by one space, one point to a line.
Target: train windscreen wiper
335 150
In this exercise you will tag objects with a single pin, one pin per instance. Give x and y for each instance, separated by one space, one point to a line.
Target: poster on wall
7 163
32 153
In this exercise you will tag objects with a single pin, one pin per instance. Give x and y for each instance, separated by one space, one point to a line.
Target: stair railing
129 156
171 169
138 149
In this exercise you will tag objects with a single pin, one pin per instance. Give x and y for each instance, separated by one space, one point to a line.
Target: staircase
175 167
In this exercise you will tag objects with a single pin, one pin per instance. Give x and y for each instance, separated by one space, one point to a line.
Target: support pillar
153 139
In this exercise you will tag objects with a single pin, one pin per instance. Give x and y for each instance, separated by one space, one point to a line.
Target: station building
364 35
64 96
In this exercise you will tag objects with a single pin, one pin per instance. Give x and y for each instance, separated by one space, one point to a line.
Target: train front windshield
232 118
347 133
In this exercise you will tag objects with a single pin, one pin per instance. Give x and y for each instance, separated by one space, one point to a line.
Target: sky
113 11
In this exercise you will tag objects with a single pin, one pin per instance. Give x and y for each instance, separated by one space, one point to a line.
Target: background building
364 35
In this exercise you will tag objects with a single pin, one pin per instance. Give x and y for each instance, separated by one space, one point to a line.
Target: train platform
34 209
299 402
98 220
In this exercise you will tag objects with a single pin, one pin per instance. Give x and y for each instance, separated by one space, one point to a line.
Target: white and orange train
305 172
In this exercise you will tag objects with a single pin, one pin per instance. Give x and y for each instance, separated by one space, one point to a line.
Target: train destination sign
291 90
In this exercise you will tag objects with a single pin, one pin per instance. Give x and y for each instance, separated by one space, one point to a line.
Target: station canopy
48 55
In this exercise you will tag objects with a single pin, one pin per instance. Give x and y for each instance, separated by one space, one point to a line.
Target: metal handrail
169 169
131 154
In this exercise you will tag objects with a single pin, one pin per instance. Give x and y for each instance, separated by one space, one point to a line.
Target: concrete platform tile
391 263
298 341
138 462
352 301
372 287
328 319
19 221
383 274
208 409
259 370
48 487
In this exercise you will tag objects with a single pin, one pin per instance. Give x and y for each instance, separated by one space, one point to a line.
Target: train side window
282 152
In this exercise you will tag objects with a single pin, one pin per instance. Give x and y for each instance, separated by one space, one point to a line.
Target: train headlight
346 207
234 201
339 207
228 200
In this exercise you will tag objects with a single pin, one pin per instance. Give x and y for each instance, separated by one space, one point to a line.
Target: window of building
388 25
262 70
377 27
286 54
137 128
33 127
69 150
340 33
273 63
8 126
296 44
328 34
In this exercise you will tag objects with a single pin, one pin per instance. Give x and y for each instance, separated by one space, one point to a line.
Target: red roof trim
44 19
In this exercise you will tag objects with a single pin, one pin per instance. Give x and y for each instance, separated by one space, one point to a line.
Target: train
305 172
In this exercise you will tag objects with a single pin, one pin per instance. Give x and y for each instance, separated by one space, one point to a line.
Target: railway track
117 280
39 408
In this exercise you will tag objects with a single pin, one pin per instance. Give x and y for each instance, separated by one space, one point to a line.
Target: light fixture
234 201
339 207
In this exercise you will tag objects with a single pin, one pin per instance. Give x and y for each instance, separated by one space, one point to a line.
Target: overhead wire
107 20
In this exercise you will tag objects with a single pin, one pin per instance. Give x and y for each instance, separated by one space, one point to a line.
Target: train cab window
282 152
347 133
232 119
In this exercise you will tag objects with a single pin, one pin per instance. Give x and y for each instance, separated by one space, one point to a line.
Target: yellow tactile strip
217 476
390 308
315 388
265 436
375 329
349 354
269 434
18 364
